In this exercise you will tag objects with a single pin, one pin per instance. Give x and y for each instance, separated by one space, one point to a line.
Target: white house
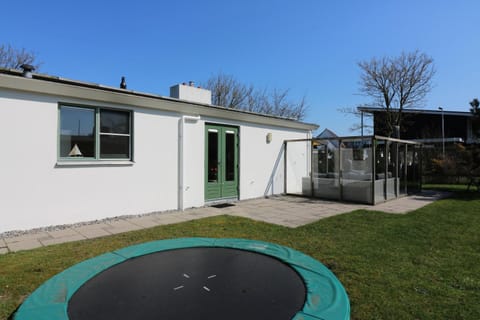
75 151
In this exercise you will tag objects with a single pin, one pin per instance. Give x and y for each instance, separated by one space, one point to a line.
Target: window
94 133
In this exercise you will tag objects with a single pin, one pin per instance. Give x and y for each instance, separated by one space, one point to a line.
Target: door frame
222 190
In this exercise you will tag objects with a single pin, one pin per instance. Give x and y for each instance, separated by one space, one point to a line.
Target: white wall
261 163
35 192
298 165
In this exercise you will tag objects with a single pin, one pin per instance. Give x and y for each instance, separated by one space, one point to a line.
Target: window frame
97 135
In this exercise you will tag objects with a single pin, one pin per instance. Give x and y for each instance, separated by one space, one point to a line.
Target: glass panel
380 171
114 121
402 157
357 170
230 156
413 169
326 169
114 147
77 132
212 165
392 174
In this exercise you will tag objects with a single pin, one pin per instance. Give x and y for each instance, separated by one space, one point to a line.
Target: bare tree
396 83
364 119
13 58
474 107
228 92
475 111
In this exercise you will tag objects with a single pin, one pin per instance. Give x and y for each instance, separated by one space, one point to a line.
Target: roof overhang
59 87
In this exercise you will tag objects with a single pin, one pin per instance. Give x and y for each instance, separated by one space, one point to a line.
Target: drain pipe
181 163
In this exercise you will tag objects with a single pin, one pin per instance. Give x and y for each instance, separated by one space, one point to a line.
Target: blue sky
310 47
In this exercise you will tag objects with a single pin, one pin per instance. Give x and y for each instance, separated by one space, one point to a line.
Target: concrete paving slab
169 219
144 222
63 233
24 245
199 214
121 226
75 237
26 237
93 231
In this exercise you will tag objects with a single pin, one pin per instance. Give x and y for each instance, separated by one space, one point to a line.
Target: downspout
181 163
309 151
310 160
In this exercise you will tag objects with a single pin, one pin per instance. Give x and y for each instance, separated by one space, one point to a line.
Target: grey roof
418 111
52 85
327 133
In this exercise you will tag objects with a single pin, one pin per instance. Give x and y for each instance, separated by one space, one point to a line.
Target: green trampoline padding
325 298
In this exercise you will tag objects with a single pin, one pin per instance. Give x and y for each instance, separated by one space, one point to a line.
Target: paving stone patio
289 211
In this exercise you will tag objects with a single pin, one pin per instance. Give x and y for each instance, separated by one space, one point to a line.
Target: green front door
221 163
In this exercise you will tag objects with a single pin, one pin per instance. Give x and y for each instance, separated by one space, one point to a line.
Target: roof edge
50 85
418 111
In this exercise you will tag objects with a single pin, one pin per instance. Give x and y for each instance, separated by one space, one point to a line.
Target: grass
422 265
448 187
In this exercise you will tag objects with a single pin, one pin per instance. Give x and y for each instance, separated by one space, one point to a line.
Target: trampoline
192 278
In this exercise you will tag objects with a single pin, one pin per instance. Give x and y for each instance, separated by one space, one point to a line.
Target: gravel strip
16 233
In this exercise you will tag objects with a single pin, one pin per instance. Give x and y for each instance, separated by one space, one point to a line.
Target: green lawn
448 187
422 265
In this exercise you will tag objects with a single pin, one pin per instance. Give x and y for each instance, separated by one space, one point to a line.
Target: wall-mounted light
269 137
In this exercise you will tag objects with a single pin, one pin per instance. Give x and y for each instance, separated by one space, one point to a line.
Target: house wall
262 164
37 191
298 166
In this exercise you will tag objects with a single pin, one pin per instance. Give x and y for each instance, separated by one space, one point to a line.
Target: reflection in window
212 155
230 156
114 147
77 132
112 121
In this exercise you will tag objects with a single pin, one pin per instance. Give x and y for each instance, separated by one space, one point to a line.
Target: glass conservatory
364 169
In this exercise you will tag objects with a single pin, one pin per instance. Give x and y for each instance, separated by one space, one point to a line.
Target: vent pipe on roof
123 84
27 70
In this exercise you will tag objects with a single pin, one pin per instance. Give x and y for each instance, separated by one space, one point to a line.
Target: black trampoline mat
193 283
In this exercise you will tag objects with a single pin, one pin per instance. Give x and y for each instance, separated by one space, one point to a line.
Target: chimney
191 93
27 70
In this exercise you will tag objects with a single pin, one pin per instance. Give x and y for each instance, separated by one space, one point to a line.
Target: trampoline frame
325 297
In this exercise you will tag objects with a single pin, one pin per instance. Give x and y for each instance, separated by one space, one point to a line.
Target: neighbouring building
75 151
426 125
451 135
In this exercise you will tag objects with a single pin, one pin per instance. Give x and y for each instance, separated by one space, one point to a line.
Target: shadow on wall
270 185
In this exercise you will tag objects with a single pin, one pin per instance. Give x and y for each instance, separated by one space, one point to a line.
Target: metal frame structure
397 164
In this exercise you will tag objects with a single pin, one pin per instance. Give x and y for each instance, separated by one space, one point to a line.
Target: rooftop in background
429 126
326 134
418 111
